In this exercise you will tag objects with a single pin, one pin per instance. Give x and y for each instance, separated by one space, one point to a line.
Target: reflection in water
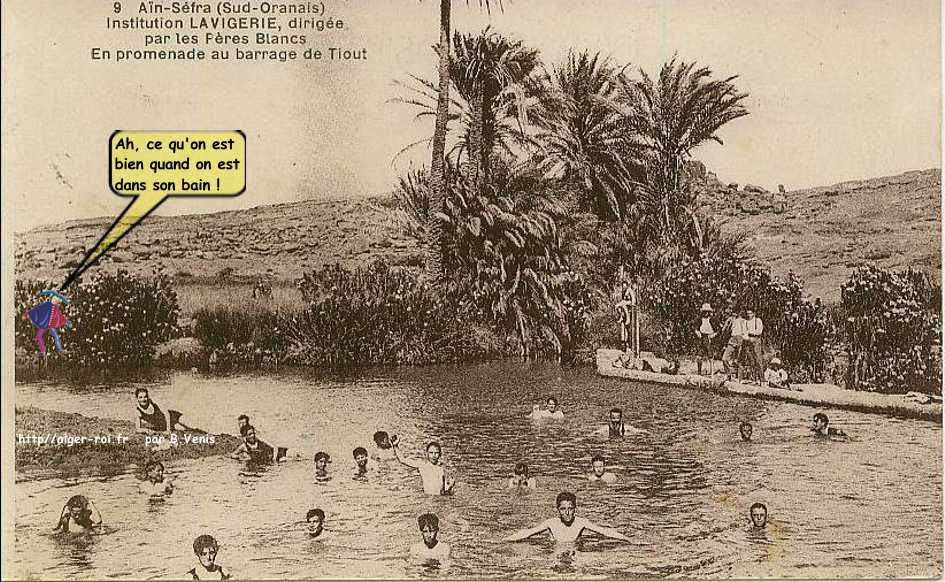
867 507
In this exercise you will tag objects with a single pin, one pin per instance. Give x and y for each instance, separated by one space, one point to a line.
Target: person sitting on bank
821 429
520 480
253 449
776 376
150 416
79 516
706 332
566 527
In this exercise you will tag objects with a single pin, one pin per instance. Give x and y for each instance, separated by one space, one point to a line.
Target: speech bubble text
150 166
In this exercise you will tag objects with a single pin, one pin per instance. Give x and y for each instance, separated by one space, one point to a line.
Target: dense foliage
118 320
893 330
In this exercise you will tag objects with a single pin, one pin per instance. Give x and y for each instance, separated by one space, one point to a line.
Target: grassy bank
57 458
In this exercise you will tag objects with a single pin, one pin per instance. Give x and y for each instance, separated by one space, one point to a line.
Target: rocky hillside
821 233
279 241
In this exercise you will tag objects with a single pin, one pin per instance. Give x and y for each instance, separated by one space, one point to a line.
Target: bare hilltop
821 234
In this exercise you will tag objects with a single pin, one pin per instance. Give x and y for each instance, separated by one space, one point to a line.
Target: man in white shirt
776 376
566 527
754 328
432 473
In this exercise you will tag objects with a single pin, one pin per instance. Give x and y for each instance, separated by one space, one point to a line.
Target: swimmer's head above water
249 434
143 398
206 548
565 503
616 417
360 458
759 514
745 429
315 521
598 465
321 461
382 440
242 421
552 403
429 525
820 423
154 471
434 452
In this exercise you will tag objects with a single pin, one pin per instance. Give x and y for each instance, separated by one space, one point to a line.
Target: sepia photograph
471 289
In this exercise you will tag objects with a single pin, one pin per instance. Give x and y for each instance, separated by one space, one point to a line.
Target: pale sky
838 90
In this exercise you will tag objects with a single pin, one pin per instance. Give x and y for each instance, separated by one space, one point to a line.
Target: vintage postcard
471 289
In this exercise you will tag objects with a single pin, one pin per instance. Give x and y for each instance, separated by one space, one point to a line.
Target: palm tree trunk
434 263
475 153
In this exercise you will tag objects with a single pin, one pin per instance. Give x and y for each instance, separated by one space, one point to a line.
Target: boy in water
156 485
206 548
759 515
315 522
821 429
321 466
599 473
430 549
553 412
432 473
745 429
566 527
79 516
382 446
520 479
361 462
253 449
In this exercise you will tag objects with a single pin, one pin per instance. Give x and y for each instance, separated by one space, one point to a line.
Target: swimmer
321 466
361 462
599 473
566 527
616 427
820 428
253 449
759 515
432 473
79 516
382 446
552 411
155 483
315 523
206 548
520 479
430 549
745 429
242 421
536 413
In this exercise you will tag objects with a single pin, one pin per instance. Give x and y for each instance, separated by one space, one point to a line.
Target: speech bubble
151 166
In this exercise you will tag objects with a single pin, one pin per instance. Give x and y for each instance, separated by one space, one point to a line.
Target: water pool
868 507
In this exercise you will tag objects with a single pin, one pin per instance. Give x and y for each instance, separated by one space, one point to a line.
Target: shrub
892 330
118 320
376 315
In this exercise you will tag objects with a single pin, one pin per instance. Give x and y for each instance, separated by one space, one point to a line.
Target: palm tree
434 261
681 110
583 139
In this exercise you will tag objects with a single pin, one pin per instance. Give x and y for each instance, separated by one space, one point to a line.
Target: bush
892 331
118 320
377 315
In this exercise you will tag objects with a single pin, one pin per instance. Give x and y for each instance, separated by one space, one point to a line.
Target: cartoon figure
48 316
